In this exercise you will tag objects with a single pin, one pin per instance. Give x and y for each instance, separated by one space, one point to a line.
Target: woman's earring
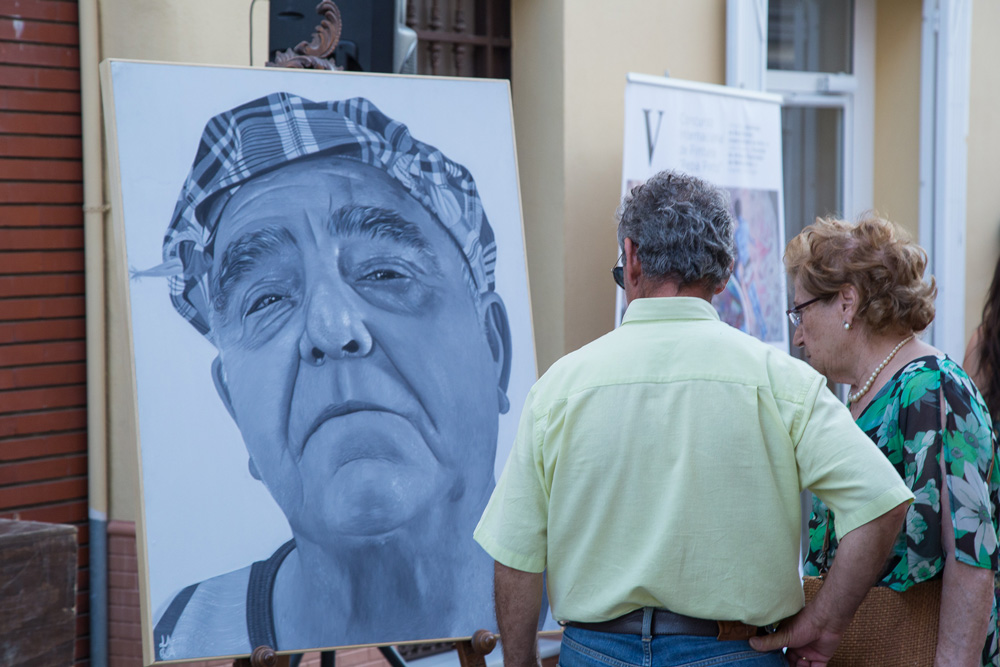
847 327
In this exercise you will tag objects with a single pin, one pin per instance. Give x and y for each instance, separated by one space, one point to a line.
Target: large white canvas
203 512
731 138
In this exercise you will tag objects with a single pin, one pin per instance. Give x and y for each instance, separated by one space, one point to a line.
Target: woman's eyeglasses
795 312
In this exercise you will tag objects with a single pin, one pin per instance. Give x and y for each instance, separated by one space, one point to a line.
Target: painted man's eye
264 302
384 274
392 281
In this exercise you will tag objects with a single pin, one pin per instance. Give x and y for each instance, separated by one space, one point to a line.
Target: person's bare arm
966 601
518 597
812 635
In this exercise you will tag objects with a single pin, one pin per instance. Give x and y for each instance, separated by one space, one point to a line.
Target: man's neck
649 289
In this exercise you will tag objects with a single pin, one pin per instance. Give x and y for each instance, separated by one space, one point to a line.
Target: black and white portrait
330 321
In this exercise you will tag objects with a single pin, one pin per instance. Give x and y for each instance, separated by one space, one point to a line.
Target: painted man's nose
334 329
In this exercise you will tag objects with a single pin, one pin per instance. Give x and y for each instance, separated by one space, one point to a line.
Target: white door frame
944 130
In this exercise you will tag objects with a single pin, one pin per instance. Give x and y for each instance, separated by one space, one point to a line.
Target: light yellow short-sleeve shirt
661 465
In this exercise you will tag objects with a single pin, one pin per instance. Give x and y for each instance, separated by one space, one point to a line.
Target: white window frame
746 67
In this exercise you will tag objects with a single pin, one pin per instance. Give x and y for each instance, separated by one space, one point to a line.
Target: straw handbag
889 628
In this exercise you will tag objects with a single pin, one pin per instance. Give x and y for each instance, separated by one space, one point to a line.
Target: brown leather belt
668 623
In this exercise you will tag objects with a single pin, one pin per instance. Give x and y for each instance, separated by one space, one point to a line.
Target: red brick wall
124 629
43 439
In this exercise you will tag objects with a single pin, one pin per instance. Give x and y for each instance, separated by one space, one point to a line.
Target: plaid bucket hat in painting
267 133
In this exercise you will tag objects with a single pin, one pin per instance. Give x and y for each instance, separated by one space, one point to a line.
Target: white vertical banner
731 138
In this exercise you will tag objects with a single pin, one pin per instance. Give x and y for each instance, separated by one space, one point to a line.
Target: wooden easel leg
472 653
262 656
468 657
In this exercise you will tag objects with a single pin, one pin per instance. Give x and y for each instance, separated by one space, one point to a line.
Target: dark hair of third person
989 350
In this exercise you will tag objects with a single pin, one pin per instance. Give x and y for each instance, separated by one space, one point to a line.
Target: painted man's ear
221 387
498 335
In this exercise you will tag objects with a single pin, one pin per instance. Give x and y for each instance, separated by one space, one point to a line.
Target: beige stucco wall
570 59
897 117
983 203
538 100
194 31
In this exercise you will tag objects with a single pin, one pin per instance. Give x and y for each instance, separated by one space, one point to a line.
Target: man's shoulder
577 368
205 619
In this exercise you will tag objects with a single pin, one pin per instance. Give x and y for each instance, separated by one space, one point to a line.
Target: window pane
810 35
812 147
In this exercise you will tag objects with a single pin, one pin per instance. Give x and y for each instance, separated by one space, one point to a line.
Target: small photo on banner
754 298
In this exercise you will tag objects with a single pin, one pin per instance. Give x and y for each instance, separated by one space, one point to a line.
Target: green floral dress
904 420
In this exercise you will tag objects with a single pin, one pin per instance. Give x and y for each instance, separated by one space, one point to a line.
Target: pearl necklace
851 398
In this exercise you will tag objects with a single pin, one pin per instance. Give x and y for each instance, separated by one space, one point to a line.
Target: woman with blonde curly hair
860 300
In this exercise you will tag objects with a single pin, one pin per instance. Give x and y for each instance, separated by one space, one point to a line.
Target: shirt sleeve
514 526
842 466
968 444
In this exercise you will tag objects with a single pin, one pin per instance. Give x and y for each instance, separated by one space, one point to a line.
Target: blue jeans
587 648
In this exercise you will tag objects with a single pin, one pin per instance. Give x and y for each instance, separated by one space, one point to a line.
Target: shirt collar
669 308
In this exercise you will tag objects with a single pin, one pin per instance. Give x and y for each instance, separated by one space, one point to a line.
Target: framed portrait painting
331 338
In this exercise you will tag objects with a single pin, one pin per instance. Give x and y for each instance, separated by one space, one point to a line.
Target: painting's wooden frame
519 308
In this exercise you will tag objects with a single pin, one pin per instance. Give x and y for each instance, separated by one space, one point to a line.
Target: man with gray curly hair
656 474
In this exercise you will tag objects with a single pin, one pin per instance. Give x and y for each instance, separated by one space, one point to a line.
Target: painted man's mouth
341 410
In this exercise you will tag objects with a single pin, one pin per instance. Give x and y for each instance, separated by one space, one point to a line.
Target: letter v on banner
652 135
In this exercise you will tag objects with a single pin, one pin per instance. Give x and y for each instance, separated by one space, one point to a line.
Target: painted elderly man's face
357 361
